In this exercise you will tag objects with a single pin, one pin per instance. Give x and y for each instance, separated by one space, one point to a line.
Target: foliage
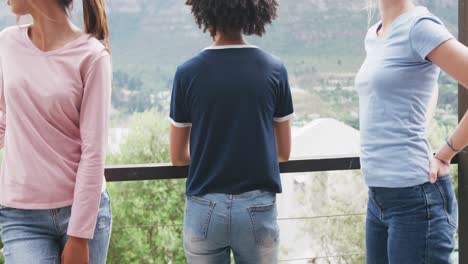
140 207
131 95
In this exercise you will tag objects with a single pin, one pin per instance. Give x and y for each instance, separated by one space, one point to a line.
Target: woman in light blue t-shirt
412 210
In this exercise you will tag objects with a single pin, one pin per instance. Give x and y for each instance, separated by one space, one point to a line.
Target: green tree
147 215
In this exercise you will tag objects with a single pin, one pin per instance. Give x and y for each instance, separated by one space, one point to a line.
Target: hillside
321 42
149 36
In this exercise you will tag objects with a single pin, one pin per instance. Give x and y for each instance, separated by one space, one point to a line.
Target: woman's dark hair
227 16
95 18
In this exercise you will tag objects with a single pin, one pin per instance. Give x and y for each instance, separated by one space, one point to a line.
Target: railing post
463 159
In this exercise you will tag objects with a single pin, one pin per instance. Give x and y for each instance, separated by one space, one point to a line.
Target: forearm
283 140
87 195
180 145
458 140
281 156
182 160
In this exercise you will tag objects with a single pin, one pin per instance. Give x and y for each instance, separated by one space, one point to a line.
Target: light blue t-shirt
395 85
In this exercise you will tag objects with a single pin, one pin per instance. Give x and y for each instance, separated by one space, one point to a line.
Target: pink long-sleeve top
55 108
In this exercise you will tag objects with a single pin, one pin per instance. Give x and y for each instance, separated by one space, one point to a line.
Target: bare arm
180 138
452 57
283 140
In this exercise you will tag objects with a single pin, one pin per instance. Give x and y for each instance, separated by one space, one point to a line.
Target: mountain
155 35
315 38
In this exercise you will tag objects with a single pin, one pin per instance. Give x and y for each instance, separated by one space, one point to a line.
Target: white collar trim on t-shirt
230 47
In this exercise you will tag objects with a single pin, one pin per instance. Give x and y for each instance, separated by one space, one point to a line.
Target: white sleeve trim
180 125
284 118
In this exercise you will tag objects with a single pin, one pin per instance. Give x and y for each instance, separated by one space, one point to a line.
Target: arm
284 112
180 137
452 57
283 140
2 128
2 111
181 123
94 115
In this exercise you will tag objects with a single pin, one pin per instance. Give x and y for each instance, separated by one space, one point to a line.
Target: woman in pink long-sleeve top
55 85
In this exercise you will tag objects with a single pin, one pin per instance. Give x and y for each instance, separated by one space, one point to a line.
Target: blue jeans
216 224
411 225
39 236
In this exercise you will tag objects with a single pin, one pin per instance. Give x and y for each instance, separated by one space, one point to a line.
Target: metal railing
167 172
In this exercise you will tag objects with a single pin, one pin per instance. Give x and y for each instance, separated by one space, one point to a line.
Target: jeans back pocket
197 218
265 225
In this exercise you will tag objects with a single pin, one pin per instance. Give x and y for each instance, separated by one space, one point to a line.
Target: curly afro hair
227 16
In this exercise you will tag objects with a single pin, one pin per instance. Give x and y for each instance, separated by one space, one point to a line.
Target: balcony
328 254
147 198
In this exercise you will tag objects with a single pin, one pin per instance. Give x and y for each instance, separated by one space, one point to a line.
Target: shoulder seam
417 19
93 64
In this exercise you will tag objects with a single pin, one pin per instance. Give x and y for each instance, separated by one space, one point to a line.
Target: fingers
434 170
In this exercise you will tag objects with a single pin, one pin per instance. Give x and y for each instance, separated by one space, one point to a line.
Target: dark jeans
411 225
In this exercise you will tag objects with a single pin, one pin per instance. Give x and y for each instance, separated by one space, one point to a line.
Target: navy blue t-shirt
231 96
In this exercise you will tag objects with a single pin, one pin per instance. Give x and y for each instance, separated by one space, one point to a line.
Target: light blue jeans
39 236
216 224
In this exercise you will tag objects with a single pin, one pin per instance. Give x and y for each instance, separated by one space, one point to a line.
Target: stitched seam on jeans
376 217
445 201
200 200
381 217
208 219
442 193
428 216
206 222
252 211
56 224
428 206
110 209
262 208
252 218
427 241
229 219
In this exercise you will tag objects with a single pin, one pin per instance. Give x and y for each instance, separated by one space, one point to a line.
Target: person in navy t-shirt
230 112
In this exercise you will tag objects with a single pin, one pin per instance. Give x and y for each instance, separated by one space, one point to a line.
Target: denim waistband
239 196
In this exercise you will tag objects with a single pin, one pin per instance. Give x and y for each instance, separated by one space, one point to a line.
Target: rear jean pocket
265 224
197 218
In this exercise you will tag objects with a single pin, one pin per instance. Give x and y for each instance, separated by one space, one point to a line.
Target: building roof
325 137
